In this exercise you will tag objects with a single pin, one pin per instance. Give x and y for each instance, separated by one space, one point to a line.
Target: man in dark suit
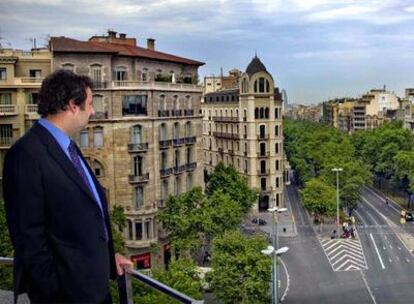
56 209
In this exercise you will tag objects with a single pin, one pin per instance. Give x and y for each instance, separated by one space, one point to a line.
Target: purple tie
74 155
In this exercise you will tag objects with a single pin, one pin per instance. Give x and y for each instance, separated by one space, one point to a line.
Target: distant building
242 126
407 107
304 112
217 83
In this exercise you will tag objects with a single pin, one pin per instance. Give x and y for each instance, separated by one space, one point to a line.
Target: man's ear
72 106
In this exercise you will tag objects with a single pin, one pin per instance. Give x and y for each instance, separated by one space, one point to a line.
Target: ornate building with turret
242 127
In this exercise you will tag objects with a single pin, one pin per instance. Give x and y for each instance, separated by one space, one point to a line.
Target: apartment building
242 126
21 74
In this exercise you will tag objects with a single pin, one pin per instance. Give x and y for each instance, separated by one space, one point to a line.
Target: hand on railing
122 263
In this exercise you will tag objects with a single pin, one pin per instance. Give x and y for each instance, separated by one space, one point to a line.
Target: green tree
229 181
241 273
6 250
319 198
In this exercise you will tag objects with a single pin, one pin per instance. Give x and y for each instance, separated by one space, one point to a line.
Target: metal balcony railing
163 113
31 109
8 109
190 140
191 166
142 147
164 144
143 178
179 142
166 172
125 286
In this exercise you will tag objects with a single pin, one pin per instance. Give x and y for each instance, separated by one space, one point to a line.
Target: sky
314 49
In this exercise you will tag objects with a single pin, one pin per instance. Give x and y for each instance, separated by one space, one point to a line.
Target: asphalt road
312 279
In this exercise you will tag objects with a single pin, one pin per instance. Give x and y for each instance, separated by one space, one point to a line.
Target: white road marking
360 217
399 248
369 289
408 260
383 199
376 249
390 260
288 280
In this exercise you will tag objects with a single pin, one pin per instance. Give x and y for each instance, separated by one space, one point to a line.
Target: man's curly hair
60 87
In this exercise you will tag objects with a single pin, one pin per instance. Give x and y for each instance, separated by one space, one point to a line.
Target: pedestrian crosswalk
344 254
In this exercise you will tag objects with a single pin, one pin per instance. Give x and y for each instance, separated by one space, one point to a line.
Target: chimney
151 44
122 35
111 34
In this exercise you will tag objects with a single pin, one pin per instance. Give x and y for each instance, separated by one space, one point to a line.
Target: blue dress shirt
63 140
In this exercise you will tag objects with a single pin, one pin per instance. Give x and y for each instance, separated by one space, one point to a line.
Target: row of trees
389 150
313 151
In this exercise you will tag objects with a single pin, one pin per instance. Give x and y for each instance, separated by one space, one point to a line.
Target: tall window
32 98
176 105
148 230
176 130
177 185
188 102
189 155
98 105
144 75
84 138
263 184
96 72
5 98
277 148
277 182
176 158
3 74
164 189
138 231
130 230
164 160
139 197
263 166
277 165
276 113
262 131
163 105
276 131
97 168
134 105
137 169
189 181
6 134
98 137
68 67
121 74
163 132
136 135
262 149
188 129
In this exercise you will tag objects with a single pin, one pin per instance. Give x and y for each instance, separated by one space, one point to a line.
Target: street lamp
337 170
275 244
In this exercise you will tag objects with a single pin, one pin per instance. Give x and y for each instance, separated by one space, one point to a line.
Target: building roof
68 45
255 66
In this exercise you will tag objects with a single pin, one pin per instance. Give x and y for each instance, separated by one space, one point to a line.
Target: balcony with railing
176 113
180 169
191 166
263 172
263 155
163 113
226 135
164 144
263 137
125 291
177 142
166 172
136 179
156 85
31 108
100 85
8 109
141 147
190 140
188 112
225 119
99 116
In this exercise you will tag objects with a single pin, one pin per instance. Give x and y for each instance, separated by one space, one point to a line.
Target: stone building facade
21 74
242 127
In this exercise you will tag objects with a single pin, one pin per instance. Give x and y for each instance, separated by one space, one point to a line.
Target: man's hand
121 262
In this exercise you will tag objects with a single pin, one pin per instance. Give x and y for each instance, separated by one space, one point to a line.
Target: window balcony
163 113
136 179
180 169
177 142
263 155
225 119
191 166
166 172
264 137
220 150
142 147
230 151
265 172
100 85
176 113
8 109
190 140
164 144
226 135
31 109
189 112
156 85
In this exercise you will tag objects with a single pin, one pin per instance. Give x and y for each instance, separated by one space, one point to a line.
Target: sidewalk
286 226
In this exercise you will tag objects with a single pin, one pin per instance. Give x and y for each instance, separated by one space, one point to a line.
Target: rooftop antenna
255 52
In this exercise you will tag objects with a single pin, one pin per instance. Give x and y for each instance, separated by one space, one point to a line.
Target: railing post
125 289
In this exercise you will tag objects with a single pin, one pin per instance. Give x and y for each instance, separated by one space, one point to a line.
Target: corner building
243 127
144 141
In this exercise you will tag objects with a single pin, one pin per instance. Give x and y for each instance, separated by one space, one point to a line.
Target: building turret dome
255 66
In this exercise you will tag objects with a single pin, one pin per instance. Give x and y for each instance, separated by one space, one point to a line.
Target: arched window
130 230
163 104
138 230
267 89
163 132
97 168
237 113
262 131
176 104
136 135
256 113
277 182
262 149
263 166
121 73
263 184
277 165
139 198
98 137
188 103
261 113
245 131
176 158
98 104
96 74
276 130
276 113
267 113
188 129
261 85
68 67
164 160
176 130
144 75
276 148
84 138
189 155
138 165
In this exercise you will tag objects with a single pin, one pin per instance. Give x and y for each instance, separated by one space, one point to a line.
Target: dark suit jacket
55 224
